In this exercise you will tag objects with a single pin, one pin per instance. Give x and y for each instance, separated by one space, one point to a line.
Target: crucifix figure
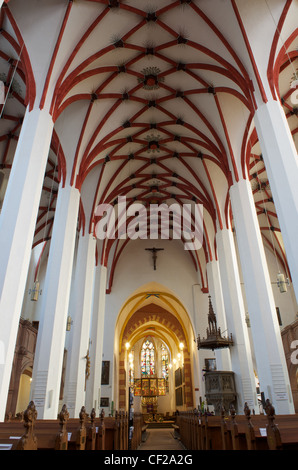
154 255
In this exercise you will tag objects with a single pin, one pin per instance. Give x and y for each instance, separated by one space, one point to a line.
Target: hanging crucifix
154 255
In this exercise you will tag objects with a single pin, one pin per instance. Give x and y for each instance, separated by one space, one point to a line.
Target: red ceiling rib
55 53
73 54
283 57
253 62
223 40
270 68
214 195
228 139
24 57
193 140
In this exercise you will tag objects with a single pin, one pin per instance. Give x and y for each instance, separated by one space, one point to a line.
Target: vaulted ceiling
153 102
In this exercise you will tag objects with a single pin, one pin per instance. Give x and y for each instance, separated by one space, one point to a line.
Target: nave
192 431
133 108
161 439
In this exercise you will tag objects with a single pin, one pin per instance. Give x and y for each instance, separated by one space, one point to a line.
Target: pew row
87 432
202 431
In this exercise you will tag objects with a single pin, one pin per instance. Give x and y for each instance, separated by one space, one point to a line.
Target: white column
97 331
17 225
241 357
270 357
223 356
75 382
51 336
199 358
281 162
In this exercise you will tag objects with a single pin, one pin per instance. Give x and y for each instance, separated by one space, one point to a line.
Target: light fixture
127 345
282 282
181 346
69 323
174 361
35 291
179 356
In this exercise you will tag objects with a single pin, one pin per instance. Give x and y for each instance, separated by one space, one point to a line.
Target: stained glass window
164 363
147 359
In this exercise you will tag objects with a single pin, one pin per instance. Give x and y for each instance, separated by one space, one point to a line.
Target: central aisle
161 439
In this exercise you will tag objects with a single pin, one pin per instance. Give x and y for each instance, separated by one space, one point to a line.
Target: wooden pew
36 433
196 431
212 433
138 425
270 432
85 433
243 432
52 434
282 434
21 435
100 432
262 432
60 434
116 432
255 440
237 428
91 432
109 423
144 428
72 434
226 437
77 431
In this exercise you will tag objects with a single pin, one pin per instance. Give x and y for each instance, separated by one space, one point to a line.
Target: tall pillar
241 356
48 362
75 383
270 357
223 356
198 365
281 162
97 332
17 226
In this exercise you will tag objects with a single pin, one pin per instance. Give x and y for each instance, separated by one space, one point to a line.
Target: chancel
148 225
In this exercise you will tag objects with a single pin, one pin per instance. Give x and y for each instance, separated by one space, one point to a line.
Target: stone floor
161 439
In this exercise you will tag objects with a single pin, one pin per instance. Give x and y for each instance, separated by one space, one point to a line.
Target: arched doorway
24 391
156 351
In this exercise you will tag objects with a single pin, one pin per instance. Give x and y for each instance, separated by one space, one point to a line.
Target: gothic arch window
164 362
147 359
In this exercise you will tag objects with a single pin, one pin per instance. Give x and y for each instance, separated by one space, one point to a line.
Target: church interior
111 109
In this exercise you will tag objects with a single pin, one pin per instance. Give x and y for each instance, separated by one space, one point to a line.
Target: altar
149 389
149 408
